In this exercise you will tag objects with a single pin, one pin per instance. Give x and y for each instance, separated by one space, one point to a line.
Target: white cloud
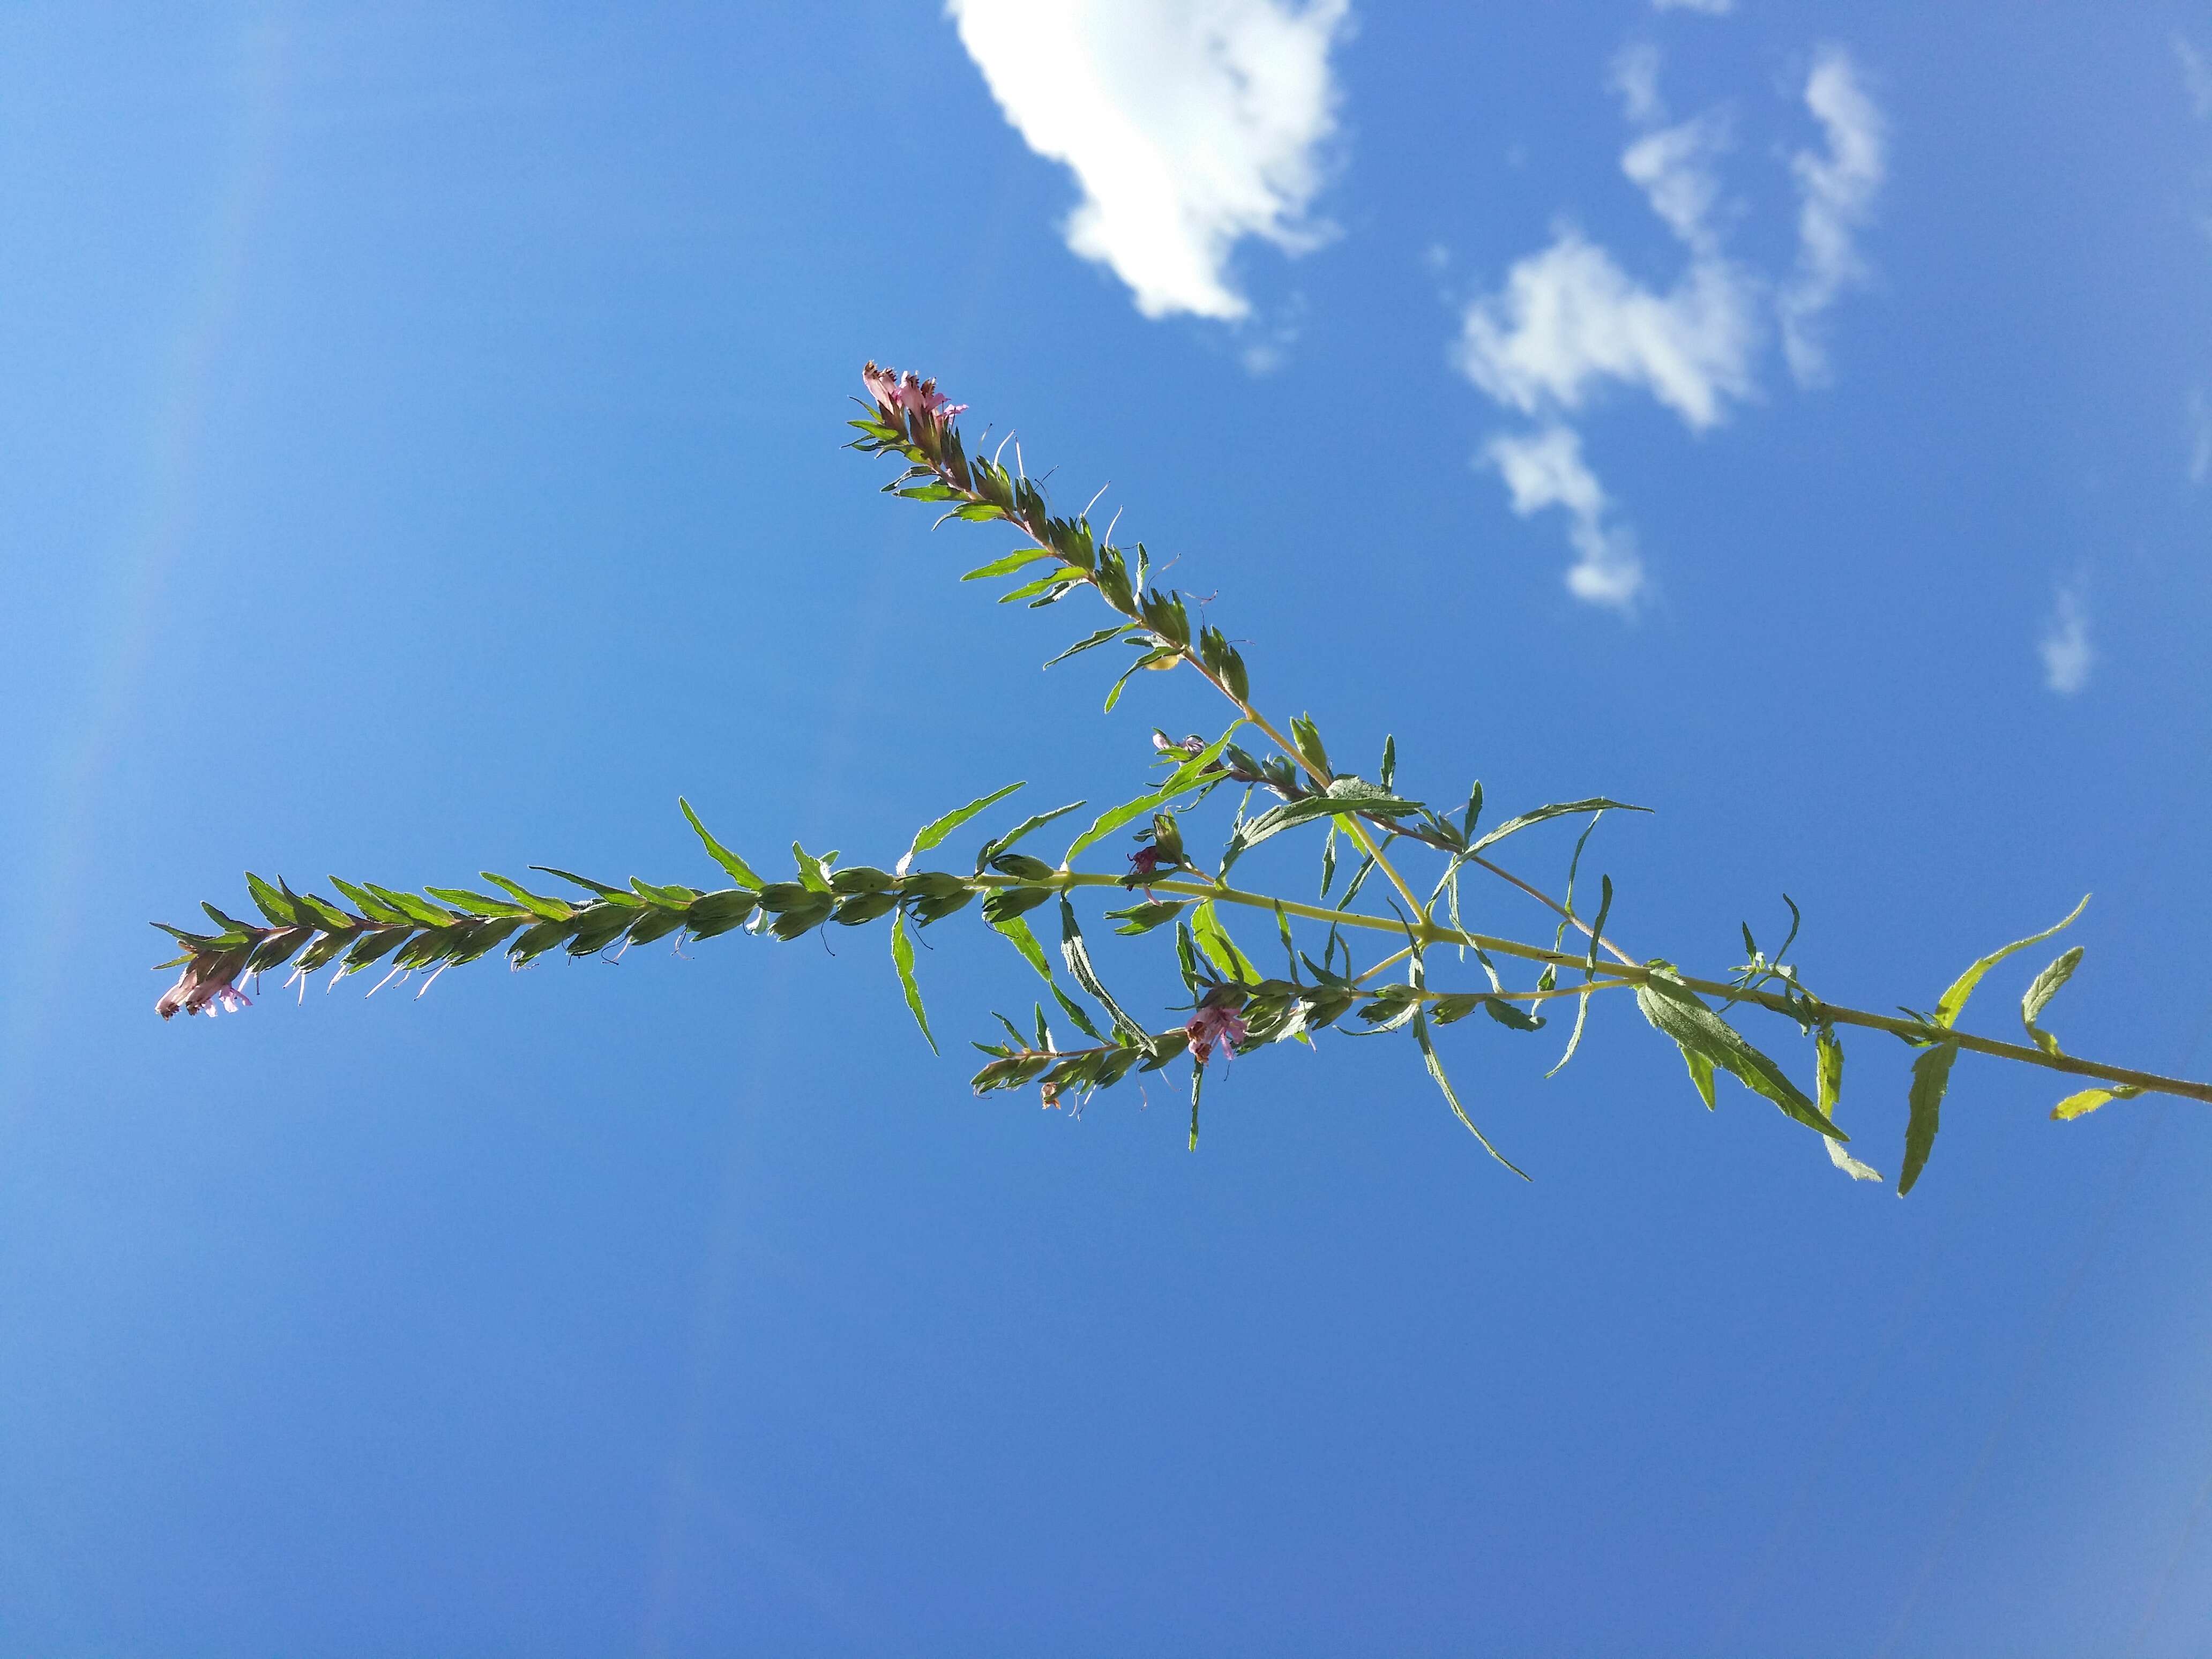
2068 655
1546 469
1838 189
1570 320
2199 436
1711 8
1190 125
2196 77
1635 76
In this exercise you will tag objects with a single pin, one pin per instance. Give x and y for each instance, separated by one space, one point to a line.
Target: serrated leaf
737 869
902 959
2089 1100
1437 1070
608 895
1557 810
550 909
1703 1035
371 907
2038 996
1931 1076
1953 1002
1158 657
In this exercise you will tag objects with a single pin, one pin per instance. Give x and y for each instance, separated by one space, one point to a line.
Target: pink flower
1210 1026
908 393
206 979
1145 861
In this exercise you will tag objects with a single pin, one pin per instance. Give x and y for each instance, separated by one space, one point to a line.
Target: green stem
1611 976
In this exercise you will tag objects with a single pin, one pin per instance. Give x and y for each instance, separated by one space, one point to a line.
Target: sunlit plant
1166 889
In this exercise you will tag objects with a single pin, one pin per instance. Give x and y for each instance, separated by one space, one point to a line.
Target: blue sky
422 430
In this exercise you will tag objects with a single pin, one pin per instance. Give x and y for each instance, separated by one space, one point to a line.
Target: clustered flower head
907 394
207 980
1211 1026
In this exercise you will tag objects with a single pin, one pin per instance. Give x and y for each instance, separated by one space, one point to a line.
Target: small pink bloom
1211 1026
206 979
1145 861
883 386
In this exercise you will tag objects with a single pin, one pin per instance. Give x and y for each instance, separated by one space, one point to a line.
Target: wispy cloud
2196 77
1569 324
1190 125
1546 469
1838 189
2199 436
1711 8
2067 656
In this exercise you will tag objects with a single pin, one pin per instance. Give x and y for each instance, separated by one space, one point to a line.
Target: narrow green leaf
1078 956
1016 929
480 904
1073 1010
1558 810
1184 777
280 911
1682 1015
902 959
1437 1070
739 870
1931 1076
1953 1002
2089 1100
930 834
1828 1068
1014 561
992 848
1100 638
1212 937
1152 659
550 909
613 895
1197 1084
2039 995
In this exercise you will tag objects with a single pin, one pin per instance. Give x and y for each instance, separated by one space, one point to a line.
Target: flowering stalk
1233 1007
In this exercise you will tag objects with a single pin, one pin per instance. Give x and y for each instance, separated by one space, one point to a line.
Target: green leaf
1558 810
375 909
612 895
1828 1068
1206 925
902 959
1931 1076
417 910
1078 957
1953 1002
2039 995
474 904
1345 796
738 869
992 848
2089 1100
1182 779
1513 1017
718 913
550 909
1143 918
1017 928
1152 658
280 911
1437 1070
930 834
1708 1041
1084 644
1006 567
